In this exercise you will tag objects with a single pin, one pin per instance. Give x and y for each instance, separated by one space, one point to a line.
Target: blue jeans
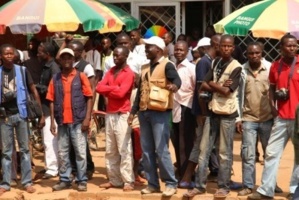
281 132
7 127
248 148
155 133
72 133
222 130
296 193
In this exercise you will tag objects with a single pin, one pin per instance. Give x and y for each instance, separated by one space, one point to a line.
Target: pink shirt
184 96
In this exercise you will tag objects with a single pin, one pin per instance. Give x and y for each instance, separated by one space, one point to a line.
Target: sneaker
258 196
169 192
150 190
245 192
61 186
221 193
82 187
195 191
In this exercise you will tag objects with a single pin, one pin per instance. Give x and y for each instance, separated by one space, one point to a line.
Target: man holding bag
161 74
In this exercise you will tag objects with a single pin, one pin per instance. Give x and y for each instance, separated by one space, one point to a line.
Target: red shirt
286 109
117 89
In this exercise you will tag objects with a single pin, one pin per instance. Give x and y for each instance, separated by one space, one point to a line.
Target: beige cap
66 50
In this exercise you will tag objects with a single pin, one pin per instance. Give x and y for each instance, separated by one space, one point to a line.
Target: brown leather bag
158 98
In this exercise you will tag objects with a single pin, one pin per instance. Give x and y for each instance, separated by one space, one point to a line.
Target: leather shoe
48 176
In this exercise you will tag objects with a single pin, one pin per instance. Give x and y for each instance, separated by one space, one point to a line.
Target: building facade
182 16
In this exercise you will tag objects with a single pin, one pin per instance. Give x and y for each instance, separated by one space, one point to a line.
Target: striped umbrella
268 18
28 16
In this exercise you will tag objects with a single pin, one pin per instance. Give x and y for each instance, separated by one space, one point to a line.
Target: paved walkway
44 190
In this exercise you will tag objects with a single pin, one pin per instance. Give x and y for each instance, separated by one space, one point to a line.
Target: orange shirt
67 101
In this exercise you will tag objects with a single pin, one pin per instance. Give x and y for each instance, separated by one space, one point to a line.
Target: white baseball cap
155 40
205 41
66 50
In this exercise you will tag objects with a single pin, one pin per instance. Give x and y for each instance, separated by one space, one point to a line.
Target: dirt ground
44 190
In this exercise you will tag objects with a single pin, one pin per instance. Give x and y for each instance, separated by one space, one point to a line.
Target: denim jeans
72 133
222 130
281 132
7 127
154 128
248 148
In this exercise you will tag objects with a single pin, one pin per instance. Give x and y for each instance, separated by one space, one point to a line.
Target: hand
53 129
85 125
239 127
172 87
228 83
41 122
106 101
68 38
274 112
130 119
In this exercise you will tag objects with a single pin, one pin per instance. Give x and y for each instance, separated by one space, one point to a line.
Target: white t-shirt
134 60
94 58
88 70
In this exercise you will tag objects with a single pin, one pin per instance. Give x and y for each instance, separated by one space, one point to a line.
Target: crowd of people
198 95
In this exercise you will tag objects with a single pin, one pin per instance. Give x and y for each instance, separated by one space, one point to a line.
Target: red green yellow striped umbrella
28 16
268 18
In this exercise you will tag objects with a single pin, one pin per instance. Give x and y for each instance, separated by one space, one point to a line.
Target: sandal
2 191
193 192
30 189
128 187
106 185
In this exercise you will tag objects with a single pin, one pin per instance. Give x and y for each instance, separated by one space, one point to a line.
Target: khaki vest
220 104
157 78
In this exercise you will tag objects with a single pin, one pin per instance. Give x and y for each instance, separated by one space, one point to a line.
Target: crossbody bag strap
291 71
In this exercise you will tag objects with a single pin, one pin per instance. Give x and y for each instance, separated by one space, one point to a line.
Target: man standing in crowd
134 60
16 83
137 43
31 60
82 66
117 86
92 56
154 125
202 118
255 117
169 50
224 113
106 54
70 97
184 122
284 94
46 54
